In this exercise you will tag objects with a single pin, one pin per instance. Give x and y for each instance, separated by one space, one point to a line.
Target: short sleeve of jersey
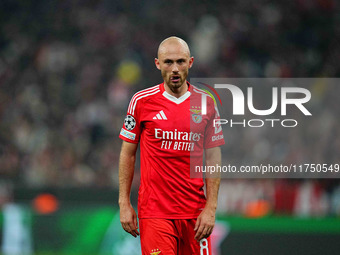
213 132
130 131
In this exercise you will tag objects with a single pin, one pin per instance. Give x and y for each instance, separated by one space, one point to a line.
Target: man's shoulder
142 95
198 92
147 92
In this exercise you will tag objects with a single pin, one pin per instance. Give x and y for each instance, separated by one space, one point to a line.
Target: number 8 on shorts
204 247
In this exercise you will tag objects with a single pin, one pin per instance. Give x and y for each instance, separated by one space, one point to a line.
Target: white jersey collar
176 100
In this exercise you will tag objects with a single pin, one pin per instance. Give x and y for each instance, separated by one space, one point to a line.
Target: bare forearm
213 185
126 172
213 158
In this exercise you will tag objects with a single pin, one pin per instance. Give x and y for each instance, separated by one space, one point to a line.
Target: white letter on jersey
157 132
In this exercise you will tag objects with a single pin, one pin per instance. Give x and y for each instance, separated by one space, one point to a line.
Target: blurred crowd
68 69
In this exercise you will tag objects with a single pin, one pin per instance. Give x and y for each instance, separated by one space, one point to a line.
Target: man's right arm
127 159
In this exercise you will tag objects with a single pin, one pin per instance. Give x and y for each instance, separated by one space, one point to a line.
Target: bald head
173 41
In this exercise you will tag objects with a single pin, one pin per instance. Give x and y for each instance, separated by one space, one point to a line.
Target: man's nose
175 68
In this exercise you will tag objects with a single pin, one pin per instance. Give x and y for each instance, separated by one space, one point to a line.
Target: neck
176 92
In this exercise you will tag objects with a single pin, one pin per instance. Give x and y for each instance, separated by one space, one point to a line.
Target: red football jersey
173 133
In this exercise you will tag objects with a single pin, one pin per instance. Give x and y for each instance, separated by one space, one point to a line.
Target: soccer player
173 123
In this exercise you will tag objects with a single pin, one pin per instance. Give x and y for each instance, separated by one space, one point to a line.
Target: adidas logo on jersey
160 116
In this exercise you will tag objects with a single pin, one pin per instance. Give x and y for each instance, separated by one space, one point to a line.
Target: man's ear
157 63
191 61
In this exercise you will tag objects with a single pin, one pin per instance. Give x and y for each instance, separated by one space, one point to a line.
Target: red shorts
171 237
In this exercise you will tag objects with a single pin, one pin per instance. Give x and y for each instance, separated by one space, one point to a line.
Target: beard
174 85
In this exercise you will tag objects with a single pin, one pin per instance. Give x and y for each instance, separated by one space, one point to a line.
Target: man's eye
167 61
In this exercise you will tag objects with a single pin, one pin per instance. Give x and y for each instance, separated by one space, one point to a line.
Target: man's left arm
206 220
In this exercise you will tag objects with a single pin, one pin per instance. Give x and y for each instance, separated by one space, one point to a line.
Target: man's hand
205 224
128 219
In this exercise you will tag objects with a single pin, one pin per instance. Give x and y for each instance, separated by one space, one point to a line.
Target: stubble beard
174 86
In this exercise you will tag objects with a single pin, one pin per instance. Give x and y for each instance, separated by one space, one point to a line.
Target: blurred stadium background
67 71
